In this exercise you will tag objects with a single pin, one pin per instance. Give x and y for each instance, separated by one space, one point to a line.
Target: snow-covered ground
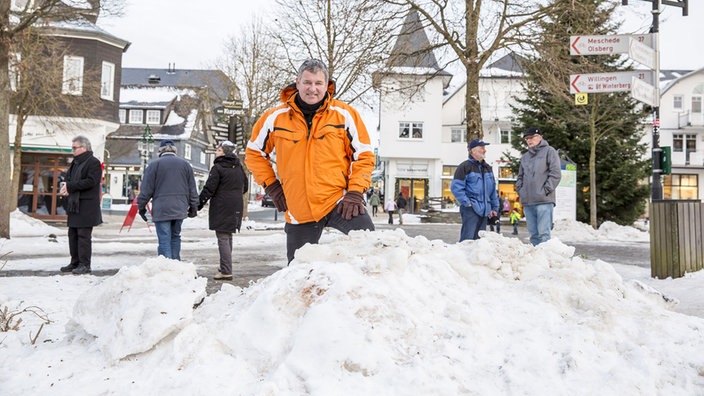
372 313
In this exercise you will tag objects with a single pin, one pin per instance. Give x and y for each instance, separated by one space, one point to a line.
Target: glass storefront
39 187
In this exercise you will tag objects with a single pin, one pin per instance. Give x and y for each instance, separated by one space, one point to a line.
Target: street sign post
642 54
644 92
607 82
607 45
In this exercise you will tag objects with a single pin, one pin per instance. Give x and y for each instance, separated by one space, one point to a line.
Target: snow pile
570 230
375 313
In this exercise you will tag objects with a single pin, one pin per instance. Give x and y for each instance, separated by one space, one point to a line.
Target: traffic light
666 160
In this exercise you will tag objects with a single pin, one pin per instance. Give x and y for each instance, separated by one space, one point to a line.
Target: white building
682 128
422 137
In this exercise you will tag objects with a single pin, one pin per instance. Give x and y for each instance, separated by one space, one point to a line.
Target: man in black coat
225 186
83 204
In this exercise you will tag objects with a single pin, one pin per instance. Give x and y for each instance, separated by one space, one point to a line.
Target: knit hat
227 147
165 142
166 146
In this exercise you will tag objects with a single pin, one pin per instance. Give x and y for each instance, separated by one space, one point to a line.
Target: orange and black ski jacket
315 167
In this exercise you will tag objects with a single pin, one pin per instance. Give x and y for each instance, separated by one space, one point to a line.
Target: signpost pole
656 190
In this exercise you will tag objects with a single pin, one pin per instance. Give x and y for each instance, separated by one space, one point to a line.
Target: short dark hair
313 66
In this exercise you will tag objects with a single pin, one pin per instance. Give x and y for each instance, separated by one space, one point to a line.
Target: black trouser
298 235
79 245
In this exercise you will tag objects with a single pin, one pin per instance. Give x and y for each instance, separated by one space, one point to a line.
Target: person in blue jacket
474 188
171 186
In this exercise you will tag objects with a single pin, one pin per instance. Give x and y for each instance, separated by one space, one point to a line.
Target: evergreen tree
603 137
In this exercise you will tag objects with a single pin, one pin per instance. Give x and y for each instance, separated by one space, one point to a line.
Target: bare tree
354 38
254 64
35 79
16 17
474 31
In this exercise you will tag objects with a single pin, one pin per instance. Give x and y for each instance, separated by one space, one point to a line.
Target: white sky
192 34
373 313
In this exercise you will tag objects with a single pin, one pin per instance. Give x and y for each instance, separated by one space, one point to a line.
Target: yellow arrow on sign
581 99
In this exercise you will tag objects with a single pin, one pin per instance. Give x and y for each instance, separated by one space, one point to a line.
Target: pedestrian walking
82 187
401 204
324 159
539 174
374 202
169 183
474 189
390 208
224 188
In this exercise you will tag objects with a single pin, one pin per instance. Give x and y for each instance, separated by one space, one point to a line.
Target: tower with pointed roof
411 90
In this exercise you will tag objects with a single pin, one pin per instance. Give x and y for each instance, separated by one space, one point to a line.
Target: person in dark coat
82 187
401 204
224 188
169 183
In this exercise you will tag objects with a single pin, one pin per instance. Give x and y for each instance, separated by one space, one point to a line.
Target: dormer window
136 116
153 117
154 79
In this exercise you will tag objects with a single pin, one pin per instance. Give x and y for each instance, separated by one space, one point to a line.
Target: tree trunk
4 124
473 110
17 163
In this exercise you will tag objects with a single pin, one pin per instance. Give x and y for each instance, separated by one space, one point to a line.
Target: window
505 137
107 81
73 75
680 141
410 130
153 117
187 151
136 116
448 171
123 116
203 157
458 136
677 102
696 104
680 187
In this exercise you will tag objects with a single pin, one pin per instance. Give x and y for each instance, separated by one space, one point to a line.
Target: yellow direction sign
581 99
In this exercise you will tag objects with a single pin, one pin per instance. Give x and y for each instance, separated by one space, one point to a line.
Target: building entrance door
415 191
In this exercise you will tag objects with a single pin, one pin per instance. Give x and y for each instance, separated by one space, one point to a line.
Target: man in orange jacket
323 157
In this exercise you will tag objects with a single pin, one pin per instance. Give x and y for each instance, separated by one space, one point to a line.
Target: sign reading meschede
606 45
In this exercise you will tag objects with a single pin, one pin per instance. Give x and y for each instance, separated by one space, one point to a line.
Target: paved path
253 262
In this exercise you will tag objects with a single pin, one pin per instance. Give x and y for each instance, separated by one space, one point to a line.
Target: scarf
74 173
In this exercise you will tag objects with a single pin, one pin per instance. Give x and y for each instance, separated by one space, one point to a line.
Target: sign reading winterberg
607 82
606 45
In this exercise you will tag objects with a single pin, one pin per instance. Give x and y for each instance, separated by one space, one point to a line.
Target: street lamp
145 146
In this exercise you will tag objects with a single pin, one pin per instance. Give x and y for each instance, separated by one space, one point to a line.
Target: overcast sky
192 34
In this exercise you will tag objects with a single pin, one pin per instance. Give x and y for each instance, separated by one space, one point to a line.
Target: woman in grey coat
224 188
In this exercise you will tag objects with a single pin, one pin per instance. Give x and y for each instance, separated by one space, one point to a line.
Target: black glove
143 214
276 192
192 211
352 205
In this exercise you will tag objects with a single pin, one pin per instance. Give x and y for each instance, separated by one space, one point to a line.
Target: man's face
533 140
312 86
478 153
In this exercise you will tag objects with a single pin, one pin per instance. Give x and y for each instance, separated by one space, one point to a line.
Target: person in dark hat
474 187
171 186
538 176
